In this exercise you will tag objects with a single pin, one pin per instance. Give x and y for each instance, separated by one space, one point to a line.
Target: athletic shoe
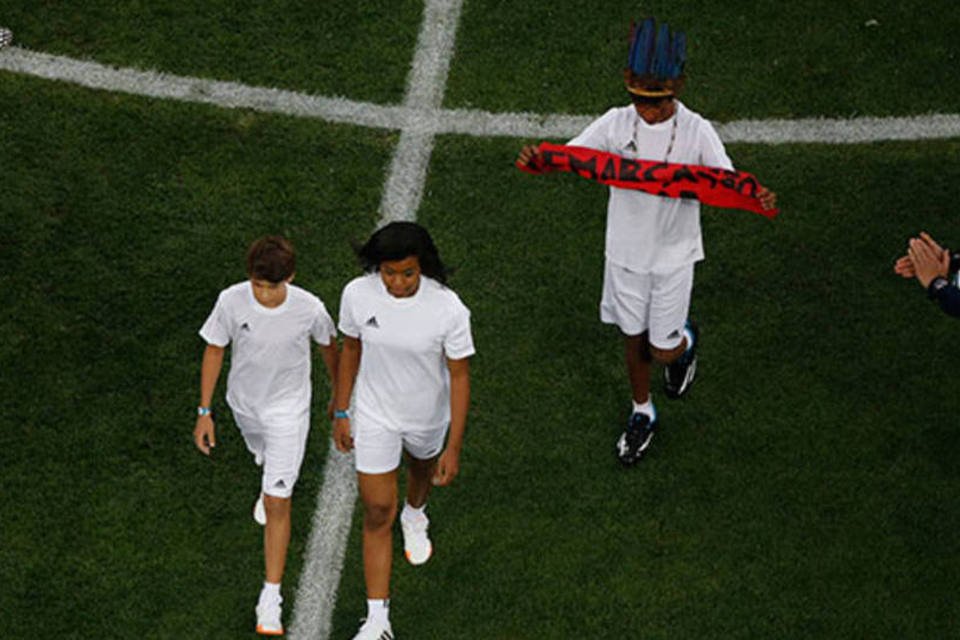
679 374
268 618
259 513
6 37
416 544
374 630
637 437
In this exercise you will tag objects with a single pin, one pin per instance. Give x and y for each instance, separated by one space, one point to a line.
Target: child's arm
203 432
347 370
331 359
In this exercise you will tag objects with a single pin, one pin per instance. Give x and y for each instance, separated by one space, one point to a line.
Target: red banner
709 185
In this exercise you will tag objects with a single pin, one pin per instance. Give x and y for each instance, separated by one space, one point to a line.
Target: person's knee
378 515
639 347
276 507
666 356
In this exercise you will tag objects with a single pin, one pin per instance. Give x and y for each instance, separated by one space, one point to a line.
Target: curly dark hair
399 240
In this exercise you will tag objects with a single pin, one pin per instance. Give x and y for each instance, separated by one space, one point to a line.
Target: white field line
425 87
326 548
433 120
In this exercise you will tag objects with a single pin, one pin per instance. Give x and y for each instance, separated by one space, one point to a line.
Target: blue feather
679 57
644 48
661 57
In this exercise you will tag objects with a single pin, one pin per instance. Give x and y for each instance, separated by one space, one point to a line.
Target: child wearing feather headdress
652 242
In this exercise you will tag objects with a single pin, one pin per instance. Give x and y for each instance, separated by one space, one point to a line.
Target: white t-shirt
403 382
648 233
270 357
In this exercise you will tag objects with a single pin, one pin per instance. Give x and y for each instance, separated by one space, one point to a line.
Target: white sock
410 512
270 592
689 336
646 407
378 610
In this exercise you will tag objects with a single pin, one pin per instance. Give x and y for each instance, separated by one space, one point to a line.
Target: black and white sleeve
947 296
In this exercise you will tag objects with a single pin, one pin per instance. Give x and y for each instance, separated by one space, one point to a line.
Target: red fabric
709 185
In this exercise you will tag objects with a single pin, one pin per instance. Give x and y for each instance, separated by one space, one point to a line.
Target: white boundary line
326 548
424 115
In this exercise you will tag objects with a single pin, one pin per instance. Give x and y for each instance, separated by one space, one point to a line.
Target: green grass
122 219
746 60
806 488
358 49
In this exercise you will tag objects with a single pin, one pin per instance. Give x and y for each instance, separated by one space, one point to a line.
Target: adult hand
904 265
527 154
928 258
203 434
768 199
448 466
342 439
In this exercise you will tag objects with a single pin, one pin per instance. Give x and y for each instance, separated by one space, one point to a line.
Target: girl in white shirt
405 363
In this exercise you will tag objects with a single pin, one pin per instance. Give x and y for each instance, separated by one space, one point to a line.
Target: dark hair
399 240
271 258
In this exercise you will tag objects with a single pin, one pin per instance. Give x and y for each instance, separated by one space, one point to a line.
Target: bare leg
638 357
276 536
379 495
666 356
419 476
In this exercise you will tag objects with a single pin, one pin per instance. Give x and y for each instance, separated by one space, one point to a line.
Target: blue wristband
341 413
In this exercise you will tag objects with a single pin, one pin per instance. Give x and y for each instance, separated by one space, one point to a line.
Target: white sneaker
416 544
268 618
375 630
6 37
259 513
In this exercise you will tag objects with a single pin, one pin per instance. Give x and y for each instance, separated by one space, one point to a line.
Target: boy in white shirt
270 323
653 242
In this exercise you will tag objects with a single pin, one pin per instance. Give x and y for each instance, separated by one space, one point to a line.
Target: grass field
808 486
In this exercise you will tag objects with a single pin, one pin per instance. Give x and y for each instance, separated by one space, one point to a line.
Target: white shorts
279 447
653 302
378 448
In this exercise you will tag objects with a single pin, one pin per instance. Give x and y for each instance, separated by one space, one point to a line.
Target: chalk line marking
422 115
326 548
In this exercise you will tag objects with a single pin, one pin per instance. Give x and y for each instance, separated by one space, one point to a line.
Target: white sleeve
595 135
712 153
348 322
458 341
323 331
216 330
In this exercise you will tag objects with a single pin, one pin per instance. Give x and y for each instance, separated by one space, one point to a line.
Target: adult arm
448 466
946 295
203 432
347 369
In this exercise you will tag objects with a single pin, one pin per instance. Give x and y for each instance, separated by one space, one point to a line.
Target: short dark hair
399 240
271 258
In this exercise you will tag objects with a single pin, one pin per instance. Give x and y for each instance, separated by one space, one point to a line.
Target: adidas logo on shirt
372 322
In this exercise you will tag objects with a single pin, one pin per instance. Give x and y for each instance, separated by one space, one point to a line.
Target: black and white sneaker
679 374
6 37
637 437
